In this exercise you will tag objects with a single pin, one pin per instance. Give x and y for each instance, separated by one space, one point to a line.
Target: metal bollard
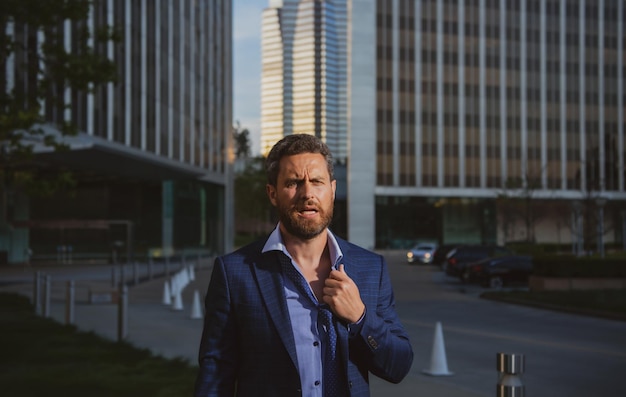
167 266
122 279
122 313
46 295
37 293
510 369
69 302
135 274
150 263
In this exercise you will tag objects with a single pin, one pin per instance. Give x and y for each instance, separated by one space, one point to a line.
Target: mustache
307 205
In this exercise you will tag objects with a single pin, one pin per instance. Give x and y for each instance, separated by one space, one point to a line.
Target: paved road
566 355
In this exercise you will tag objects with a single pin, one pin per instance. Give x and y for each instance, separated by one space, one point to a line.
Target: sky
247 67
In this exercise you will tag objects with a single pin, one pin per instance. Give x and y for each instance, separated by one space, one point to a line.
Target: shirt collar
275 243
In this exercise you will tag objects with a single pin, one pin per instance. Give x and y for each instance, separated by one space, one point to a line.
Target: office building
455 105
304 84
153 157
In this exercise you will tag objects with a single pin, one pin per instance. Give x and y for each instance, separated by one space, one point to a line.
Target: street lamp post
624 230
601 202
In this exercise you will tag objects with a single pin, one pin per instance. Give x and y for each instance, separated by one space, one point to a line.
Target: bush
572 266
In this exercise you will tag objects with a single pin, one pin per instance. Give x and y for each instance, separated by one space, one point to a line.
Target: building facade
461 111
154 149
304 84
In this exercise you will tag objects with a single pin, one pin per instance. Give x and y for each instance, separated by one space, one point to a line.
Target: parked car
496 272
439 257
421 253
459 257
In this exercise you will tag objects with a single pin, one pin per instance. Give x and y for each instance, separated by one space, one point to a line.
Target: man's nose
306 189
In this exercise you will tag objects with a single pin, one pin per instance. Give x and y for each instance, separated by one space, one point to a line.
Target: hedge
572 266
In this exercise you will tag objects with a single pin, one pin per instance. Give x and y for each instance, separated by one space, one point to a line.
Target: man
267 329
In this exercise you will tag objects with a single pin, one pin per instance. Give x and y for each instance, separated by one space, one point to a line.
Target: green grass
41 357
606 303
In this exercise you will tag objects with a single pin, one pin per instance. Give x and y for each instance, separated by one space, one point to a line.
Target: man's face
303 195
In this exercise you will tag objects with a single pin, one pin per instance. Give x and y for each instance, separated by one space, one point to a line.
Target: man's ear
333 184
271 193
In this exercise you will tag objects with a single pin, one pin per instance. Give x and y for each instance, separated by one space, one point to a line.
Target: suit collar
275 243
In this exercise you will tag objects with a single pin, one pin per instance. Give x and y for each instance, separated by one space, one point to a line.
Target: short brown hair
292 145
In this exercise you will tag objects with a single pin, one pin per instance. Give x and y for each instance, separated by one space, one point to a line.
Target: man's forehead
298 164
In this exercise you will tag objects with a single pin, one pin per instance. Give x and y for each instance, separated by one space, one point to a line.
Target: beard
304 229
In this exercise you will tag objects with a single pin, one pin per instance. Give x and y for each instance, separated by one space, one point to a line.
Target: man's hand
342 295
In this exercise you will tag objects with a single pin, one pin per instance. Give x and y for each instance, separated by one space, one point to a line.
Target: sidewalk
166 332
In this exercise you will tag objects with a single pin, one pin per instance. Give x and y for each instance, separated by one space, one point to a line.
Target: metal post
150 263
601 231
624 230
510 369
69 302
601 202
167 266
37 293
46 296
135 275
122 277
113 277
122 313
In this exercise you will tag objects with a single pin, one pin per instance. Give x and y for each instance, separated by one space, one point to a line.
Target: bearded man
302 312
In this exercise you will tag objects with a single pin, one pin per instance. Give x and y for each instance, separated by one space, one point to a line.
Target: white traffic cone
178 301
184 277
438 361
192 273
167 295
196 312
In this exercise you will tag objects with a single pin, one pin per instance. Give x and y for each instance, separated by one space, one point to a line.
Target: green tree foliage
44 70
242 142
252 207
517 202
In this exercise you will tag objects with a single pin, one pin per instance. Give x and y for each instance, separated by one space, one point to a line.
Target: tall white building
304 85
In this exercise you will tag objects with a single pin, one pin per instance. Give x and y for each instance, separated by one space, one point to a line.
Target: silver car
421 253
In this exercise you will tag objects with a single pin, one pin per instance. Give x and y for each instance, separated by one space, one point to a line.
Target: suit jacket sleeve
218 347
382 344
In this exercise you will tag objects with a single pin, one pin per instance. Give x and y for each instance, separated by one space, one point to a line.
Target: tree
242 142
42 70
252 207
517 201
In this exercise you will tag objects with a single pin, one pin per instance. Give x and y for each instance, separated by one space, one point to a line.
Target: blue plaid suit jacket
248 348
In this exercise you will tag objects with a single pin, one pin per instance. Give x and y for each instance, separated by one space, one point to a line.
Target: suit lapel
269 278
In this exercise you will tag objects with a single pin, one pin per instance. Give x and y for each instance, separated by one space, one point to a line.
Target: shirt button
317 383
316 343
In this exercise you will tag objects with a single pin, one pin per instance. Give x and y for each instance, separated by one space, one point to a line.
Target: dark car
439 257
459 257
496 272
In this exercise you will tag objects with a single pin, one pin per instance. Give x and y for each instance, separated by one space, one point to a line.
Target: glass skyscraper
304 85
154 148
